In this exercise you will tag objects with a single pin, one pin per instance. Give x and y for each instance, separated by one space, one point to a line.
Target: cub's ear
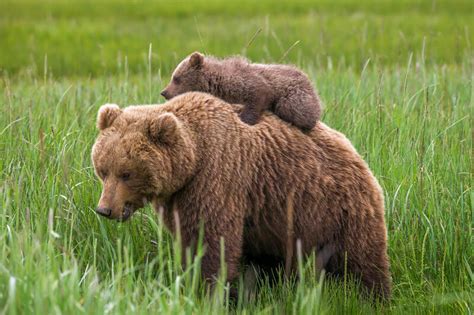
165 129
196 59
107 114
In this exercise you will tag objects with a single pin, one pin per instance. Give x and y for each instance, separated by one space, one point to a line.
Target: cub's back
283 77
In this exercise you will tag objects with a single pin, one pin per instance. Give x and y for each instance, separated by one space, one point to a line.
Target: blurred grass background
395 77
92 38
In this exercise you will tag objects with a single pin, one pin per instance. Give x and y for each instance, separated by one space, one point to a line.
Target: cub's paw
249 118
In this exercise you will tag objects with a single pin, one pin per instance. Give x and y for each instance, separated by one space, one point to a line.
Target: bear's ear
196 59
165 129
107 114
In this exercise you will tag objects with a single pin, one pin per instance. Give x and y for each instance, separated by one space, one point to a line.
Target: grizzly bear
283 89
194 158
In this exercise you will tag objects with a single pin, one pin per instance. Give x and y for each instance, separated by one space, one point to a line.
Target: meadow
395 77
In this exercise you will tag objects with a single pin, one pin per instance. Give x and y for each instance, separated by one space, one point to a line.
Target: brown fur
194 155
280 88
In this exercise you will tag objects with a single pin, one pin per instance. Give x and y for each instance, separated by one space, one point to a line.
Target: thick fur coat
195 157
283 89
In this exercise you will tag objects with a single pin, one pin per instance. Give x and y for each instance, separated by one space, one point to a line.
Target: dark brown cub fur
283 89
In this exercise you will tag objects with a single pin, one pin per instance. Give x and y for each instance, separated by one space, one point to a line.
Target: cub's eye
125 176
176 80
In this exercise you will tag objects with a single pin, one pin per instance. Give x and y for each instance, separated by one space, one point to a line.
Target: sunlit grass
95 38
413 128
405 102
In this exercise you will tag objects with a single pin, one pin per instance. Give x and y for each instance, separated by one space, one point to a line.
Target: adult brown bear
194 155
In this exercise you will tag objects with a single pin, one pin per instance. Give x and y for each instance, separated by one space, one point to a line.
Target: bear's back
272 145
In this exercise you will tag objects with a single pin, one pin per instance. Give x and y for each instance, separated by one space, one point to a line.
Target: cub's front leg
258 99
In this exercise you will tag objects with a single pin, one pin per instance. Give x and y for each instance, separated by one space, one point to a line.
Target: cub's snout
165 94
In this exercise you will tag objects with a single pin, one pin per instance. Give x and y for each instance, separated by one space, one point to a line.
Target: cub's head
139 157
188 76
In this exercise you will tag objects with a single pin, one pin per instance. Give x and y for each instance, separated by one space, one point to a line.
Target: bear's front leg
254 107
218 224
231 236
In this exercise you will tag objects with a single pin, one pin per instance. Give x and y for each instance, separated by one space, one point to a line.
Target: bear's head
187 77
139 158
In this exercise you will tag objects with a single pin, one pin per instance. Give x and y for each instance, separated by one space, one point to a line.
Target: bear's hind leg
301 108
373 271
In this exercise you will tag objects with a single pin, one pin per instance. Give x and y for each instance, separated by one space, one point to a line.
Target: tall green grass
405 103
96 38
412 126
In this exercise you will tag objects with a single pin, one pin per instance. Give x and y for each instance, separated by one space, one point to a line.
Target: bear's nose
106 212
164 93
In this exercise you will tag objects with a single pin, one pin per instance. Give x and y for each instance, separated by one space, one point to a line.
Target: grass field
395 77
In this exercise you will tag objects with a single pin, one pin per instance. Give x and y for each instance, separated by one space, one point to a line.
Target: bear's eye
176 80
125 176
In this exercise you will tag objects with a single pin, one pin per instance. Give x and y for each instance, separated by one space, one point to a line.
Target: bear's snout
165 94
105 212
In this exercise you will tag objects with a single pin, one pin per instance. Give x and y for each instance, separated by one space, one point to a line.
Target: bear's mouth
127 211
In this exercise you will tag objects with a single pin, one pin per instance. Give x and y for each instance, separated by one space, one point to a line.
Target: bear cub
283 89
